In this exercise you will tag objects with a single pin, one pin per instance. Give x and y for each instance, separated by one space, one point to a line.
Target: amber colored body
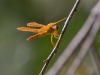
51 28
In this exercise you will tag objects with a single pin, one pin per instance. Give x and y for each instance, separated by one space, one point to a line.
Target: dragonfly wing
27 29
34 24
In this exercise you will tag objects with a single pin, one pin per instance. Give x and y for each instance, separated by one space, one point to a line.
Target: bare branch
60 37
73 44
88 42
95 58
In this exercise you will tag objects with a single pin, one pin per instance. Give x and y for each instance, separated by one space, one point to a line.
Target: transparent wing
34 24
27 29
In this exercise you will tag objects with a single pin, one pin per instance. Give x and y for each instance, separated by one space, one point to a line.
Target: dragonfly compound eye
55 27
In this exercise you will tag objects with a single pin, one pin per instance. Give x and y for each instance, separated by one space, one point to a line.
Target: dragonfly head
55 27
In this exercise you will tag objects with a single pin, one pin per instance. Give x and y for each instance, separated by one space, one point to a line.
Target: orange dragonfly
42 30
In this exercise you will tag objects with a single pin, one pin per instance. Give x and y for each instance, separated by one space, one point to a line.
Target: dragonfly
42 30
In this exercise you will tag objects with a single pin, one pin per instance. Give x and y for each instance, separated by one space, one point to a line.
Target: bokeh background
21 57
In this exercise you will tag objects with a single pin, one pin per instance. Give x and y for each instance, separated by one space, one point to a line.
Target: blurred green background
21 57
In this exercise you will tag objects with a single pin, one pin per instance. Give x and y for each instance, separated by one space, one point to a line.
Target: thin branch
73 44
60 37
84 49
95 58
86 45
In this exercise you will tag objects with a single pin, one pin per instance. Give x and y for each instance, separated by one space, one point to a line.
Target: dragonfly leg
55 34
52 40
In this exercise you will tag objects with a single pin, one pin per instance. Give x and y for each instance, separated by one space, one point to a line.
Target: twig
73 44
60 37
84 49
95 58
86 45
